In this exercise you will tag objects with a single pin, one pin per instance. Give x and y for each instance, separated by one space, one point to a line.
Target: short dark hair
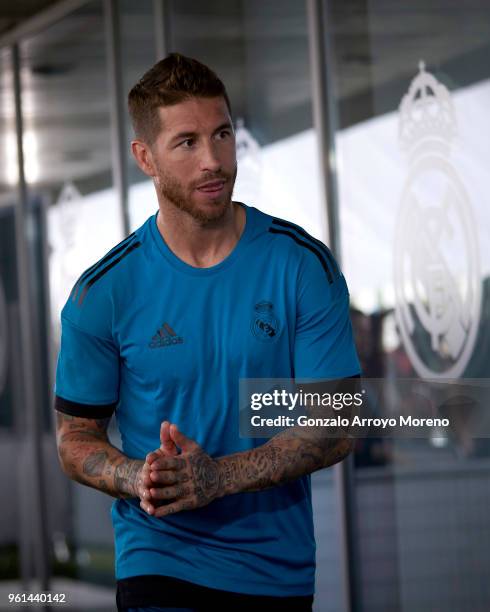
171 80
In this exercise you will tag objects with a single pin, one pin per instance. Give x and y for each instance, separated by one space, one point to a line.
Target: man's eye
224 134
187 143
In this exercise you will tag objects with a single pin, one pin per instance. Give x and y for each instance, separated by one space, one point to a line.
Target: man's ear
143 156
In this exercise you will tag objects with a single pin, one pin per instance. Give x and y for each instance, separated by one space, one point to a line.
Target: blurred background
365 121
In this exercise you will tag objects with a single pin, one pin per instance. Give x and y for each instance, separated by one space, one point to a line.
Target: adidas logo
165 336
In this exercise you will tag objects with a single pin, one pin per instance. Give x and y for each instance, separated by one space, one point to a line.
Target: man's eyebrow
183 135
224 126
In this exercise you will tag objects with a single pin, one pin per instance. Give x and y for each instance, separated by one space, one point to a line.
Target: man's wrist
127 475
222 486
230 470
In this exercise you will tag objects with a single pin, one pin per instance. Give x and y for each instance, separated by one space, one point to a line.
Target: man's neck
201 245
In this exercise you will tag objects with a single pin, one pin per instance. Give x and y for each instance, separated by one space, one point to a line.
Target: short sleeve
87 374
324 346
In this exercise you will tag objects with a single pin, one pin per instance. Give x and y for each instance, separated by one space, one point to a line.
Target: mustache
215 176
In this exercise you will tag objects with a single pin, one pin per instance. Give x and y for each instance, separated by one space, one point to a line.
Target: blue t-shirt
153 338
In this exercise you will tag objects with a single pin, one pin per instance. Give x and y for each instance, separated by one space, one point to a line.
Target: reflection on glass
413 87
8 144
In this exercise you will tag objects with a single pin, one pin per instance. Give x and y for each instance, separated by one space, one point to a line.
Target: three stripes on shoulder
301 237
97 271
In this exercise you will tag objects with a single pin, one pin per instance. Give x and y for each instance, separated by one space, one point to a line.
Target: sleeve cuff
86 411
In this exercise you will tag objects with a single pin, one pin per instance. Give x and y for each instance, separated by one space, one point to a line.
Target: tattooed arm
286 457
87 456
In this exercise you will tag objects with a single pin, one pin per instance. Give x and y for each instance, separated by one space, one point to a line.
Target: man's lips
212 186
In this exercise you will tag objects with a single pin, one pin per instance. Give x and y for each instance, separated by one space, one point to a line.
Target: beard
182 197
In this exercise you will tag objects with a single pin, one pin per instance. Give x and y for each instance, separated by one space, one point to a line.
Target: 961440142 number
26 598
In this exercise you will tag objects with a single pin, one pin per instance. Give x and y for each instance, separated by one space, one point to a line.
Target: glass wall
285 181
8 194
10 384
412 86
66 114
138 54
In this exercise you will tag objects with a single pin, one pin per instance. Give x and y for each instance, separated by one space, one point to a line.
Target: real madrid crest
437 262
265 326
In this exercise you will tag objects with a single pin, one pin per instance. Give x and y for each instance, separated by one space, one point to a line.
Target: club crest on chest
265 325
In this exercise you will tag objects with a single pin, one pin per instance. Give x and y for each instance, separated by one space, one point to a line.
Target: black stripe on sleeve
101 273
85 411
117 249
346 384
318 243
308 246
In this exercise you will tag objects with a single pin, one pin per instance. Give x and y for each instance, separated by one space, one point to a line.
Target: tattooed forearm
103 486
88 457
286 457
206 474
94 463
81 435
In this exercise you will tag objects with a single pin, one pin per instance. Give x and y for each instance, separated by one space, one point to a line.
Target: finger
168 463
146 481
165 477
143 488
178 506
150 457
167 444
147 507
160 452
183 442
164 433
177 492
145 494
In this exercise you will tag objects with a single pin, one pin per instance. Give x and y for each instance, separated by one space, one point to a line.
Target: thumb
183 442
166 443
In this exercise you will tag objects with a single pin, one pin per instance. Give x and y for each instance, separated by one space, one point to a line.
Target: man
206 292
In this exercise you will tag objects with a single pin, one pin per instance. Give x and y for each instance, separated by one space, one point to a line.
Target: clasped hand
170 482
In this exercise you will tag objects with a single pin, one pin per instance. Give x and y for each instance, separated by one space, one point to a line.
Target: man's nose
210 159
